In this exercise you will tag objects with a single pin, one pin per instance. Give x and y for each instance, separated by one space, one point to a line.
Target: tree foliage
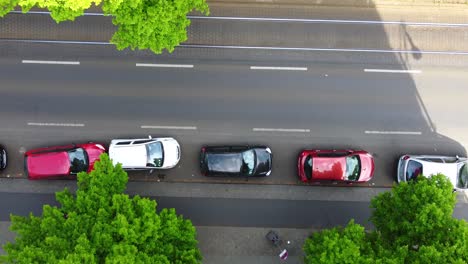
101 224
141 24
339 245
413 222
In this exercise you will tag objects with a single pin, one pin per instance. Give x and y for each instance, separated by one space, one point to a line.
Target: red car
335 165
56 162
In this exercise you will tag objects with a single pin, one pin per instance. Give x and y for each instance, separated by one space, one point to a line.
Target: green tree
413 222
419 216
141 24
339 245
101 224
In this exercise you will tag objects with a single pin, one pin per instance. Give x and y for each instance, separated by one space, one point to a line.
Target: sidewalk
230 245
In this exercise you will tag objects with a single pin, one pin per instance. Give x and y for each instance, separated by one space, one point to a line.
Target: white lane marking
326 49
56 124
51 62
393 132
392 71
252 47
297 130
171 127
164 65
300 20
278 68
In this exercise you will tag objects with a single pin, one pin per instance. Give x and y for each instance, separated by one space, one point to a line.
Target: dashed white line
393 132
51 62
171 127
297 130
278 68
392 71
164 65
56 124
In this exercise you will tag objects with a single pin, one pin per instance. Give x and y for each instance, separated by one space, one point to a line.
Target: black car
235 161
3 158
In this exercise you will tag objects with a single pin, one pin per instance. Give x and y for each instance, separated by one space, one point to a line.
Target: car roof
128 155
328 168
224 162
450 170
46 164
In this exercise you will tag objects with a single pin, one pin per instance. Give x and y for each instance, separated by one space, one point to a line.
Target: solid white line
252 47
393 132
300 20
51 62
172 127
164 65
325 49
48 13
56 124
278 68
392 71
281 130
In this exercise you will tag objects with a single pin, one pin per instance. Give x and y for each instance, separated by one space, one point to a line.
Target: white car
455 168
145 153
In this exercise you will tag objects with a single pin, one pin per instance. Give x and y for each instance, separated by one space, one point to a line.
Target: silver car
454 168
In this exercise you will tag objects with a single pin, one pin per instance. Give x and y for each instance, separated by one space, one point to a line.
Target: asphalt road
232 212
335 104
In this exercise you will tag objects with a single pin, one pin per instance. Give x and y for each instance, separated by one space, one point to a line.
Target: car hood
367 168
263 161
328 168
47 164
171 153
93 152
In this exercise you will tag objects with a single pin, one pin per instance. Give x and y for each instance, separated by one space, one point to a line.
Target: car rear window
308 167
414 170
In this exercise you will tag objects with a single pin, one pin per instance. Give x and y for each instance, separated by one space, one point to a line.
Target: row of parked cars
246 161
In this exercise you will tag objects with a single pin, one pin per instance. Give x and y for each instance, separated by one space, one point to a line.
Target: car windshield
155 154
463 177
414 170
353 168
248 162
78 160
308 167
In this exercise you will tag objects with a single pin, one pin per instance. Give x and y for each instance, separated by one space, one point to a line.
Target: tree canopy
141 24
413 222
101 224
